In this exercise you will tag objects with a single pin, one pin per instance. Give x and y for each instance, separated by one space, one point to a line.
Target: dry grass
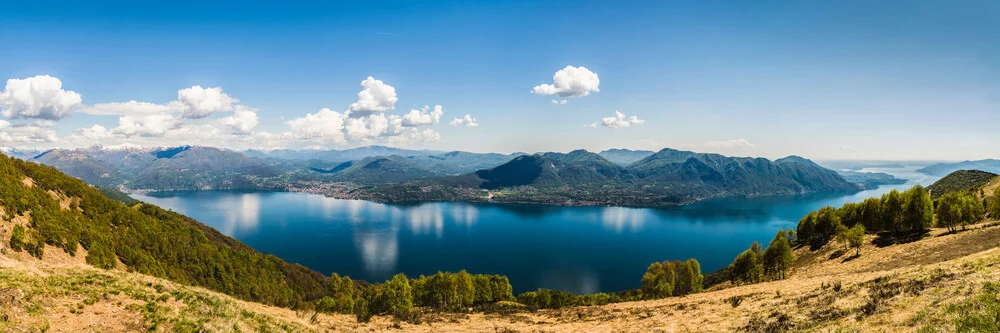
934 284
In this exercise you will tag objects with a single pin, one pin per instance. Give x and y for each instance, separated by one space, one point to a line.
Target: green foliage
871 214
689 279
959 181
747 268
892 211
918 211
455 291
658 282
398 297
807 227
147 239
958 208
993 204
17 238
778 257
856 237
342 301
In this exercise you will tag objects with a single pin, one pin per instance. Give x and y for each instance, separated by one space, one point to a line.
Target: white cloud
325 124
372 126
31 133
243 121
570 82
375 97
38 97
422 117
466 121
95 133
133 108
730 144
149 125
4 124
620 121
559 101
203 102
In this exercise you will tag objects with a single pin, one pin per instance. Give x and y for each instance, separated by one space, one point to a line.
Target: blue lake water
577 249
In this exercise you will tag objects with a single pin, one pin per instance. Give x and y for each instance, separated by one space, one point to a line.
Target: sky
873 80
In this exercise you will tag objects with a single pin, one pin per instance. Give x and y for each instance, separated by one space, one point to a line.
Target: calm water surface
578 249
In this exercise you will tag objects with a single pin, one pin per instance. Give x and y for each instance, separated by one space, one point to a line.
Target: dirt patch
27 181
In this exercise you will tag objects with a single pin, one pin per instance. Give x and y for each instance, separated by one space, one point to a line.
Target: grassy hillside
65 213
961 180
945 282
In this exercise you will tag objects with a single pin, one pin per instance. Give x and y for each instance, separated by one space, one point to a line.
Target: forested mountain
961 180
68 214
184 168
624 157
668 177
941 169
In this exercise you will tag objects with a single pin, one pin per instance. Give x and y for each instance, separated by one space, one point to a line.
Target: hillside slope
59 213
961 180
943 283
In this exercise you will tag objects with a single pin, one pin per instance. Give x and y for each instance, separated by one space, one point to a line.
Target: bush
17 238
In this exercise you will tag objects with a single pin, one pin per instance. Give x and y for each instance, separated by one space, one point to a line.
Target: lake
577 249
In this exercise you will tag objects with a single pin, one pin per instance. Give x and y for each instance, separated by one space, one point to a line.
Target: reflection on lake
578 249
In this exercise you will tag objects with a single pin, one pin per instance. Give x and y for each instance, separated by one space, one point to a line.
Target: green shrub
17 238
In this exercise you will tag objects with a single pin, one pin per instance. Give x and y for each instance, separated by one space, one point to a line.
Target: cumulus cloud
375 97
570 82
730 144
94 133
31 133
325 124
149 125
620 121
422 117
203 102
243 121
37 97
466 121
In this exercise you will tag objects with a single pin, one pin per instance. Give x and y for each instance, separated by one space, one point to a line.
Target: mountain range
667 177
611 177
942 169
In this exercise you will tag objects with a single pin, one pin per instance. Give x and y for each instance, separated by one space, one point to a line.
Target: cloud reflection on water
620 219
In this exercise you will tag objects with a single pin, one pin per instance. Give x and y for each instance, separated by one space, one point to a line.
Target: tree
850 214
697 279
682 281
806 227
892 211
949 210
658 282
972 210
918 212
747 268
871 214
841 235
993 204
856 238
778 257
827 221
341 299
398 296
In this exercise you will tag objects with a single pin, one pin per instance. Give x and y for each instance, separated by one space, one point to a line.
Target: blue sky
821 79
